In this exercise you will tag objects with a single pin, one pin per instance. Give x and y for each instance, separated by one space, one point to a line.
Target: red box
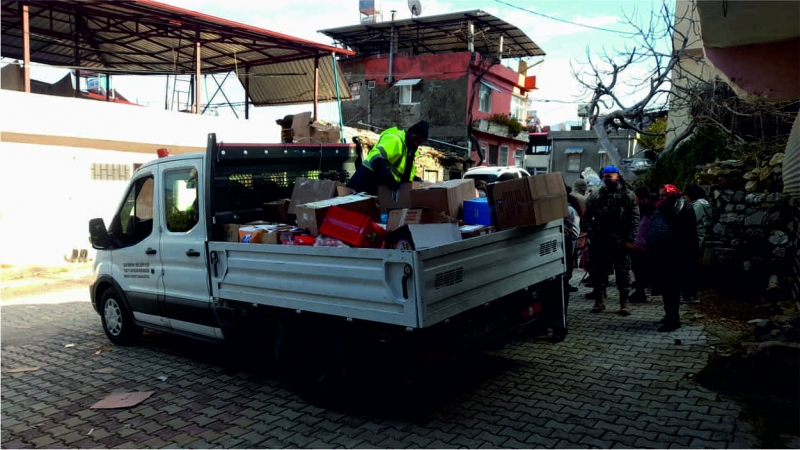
353 228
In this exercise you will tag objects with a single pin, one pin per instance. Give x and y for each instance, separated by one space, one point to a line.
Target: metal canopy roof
445 33
147 37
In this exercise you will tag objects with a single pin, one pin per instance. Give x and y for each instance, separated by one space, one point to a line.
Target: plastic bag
323 241
591 177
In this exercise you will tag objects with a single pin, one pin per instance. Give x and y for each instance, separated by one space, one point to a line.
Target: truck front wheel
117 321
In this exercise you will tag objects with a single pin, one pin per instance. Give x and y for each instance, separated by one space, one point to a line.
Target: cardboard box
230 232
278 235
352 228
477 212
301 127
307 191
447 196
325 134
277 211
399 199
406 216
532 200
471 231
420 236
342 190
251 234
311 215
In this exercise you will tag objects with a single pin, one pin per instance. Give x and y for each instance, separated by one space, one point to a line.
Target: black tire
117 320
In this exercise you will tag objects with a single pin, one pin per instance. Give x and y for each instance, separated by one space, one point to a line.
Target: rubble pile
754 226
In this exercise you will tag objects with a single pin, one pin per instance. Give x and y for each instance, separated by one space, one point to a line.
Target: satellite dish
415 6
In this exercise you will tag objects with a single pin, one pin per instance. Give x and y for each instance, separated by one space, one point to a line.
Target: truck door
183 249
136 265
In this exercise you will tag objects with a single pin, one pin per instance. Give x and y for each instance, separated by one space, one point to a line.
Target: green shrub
679 167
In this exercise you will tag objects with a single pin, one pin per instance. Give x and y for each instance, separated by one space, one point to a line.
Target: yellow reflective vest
392 147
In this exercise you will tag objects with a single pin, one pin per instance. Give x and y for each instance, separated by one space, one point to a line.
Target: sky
566 45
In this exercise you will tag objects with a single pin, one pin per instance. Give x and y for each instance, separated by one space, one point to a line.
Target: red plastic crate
353 228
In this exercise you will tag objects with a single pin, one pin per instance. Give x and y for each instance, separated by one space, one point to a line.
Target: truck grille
450 277
546 248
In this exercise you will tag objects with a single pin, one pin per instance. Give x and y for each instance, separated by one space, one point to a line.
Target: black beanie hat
420 129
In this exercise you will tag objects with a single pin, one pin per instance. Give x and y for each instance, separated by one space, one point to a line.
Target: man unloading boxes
391 160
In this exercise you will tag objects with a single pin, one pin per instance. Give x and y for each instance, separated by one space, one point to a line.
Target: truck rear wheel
313 360
117 321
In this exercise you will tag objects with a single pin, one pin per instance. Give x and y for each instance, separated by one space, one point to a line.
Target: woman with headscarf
671 249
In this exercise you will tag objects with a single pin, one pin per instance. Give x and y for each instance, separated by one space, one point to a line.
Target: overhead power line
563 20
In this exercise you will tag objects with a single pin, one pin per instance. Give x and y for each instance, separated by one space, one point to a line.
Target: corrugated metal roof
146 37
445 33
293 82
791 162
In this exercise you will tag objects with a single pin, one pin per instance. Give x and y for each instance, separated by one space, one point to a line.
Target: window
492 155
503 156
181 200
519 157
355 90
485 103
605 160
519 108
431 176
111 172
134 222
410 91
573 162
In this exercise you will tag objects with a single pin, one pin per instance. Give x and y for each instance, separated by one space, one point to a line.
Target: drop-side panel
362 284
458 277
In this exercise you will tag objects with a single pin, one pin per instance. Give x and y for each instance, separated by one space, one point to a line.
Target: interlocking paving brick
614 382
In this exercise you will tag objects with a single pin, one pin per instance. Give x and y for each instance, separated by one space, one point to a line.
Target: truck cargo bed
413 289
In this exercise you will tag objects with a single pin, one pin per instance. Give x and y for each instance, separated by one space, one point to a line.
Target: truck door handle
193 253
404 282
150 251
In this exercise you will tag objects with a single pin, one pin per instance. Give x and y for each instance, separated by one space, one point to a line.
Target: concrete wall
444 82
447 85
590 157
49 147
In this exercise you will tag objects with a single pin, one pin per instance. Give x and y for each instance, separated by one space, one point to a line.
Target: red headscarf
672 190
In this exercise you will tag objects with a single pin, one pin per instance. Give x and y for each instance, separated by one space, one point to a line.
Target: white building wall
47 194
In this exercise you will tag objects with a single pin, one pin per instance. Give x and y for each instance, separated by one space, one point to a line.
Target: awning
573 150
490 86
601 151
408 82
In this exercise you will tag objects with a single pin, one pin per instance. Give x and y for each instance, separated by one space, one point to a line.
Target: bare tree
655 53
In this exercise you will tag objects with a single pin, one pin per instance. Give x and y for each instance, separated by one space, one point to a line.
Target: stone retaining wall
753 227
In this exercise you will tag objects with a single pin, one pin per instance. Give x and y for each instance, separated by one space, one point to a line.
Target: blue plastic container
476 212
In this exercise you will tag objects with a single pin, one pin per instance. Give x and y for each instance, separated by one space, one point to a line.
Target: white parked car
492 174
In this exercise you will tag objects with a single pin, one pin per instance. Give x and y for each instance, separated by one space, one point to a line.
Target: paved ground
615 382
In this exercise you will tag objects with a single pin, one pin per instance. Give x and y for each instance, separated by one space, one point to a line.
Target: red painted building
433 68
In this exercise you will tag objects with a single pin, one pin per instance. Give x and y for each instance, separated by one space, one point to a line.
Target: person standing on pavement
671 249
639 263
612 220
695 196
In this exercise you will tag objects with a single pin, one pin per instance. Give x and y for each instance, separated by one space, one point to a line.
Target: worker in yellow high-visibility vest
391 160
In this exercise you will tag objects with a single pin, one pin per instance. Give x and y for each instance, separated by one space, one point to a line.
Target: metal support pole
77 71
197 78
338 97
471 42
391 49
26 48
108 87
500 48
247 92
316 84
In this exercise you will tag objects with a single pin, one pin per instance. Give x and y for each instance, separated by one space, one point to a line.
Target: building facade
460 88
574 151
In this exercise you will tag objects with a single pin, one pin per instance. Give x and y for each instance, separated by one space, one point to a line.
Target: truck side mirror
98 234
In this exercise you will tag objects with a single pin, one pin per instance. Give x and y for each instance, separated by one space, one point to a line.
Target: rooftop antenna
415 6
